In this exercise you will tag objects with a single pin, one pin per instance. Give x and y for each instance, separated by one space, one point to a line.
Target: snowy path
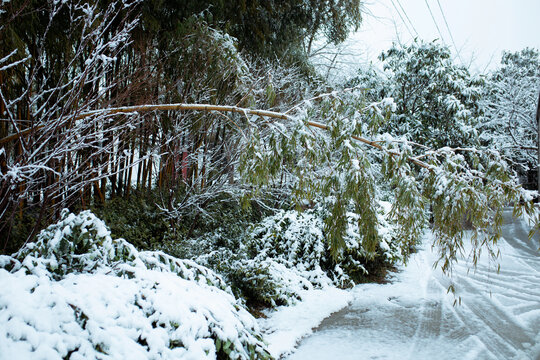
413 318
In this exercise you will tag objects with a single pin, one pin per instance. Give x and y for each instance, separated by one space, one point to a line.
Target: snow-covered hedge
288 252
296 240
77 293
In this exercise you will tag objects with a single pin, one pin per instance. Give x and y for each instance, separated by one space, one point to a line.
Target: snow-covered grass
77 293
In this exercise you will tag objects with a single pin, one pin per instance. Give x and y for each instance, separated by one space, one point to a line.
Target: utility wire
449 32
434 21
407 16
403 20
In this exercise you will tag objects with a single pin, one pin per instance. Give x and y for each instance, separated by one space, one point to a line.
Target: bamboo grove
59 60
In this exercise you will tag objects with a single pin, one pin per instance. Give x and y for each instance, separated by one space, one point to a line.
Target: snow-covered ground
414 317
288 324
117 302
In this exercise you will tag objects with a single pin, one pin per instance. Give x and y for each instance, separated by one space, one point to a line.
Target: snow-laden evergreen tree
437 100
510 107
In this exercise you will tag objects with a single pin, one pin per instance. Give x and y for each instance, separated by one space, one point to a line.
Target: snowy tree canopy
510 102
437 101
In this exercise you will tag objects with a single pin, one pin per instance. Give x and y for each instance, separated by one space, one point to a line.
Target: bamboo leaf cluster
447 187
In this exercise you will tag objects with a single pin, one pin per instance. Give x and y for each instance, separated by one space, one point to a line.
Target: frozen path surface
414 317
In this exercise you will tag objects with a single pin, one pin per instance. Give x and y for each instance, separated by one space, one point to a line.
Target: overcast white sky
481 29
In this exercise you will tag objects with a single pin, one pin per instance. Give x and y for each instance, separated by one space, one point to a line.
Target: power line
449 32
403 20
407 16
435 22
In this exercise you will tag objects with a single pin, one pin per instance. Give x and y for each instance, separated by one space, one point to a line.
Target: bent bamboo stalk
207 107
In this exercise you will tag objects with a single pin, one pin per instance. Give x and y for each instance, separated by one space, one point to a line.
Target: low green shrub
136 218
111 297
297 240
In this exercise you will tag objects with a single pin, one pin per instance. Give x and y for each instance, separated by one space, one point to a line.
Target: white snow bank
286 325
152 316
77 293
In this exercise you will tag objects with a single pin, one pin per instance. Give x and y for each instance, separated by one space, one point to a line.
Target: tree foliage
330 168
437 100
272 29
510 101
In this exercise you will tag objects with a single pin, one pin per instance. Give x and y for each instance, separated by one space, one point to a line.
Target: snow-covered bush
267 282
75 244
77 293
291 237
296 240
257 282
